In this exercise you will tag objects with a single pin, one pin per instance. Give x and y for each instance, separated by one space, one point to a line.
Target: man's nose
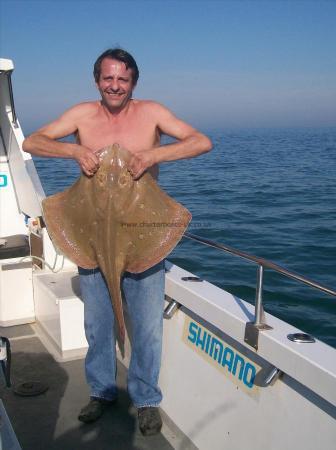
114 85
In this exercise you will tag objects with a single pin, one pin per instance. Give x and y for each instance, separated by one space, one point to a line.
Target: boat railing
259 323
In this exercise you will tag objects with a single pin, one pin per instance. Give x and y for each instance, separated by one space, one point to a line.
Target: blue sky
216 64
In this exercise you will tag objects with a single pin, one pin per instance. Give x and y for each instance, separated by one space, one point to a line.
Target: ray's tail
113 279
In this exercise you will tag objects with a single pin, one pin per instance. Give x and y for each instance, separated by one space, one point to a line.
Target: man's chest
135 134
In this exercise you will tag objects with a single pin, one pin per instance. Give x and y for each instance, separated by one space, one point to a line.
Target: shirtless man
137 126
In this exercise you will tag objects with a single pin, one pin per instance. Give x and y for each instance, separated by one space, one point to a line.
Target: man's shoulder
151 107
83 109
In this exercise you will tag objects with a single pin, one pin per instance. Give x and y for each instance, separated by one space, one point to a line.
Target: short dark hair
119 55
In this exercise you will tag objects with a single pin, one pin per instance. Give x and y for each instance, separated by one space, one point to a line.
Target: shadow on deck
49 421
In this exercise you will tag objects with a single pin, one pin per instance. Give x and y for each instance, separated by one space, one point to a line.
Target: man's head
118 55
116 75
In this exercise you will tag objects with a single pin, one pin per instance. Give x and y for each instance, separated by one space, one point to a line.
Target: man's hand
140 162
87 160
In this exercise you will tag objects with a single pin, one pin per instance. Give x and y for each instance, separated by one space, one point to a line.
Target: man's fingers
89 172
98 152
88 160
138 174
91 163
135 167
135 173
89 167
93 159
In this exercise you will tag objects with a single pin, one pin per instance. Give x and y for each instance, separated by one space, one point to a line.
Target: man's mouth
114 94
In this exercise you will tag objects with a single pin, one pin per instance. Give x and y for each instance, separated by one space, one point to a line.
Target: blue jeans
144 295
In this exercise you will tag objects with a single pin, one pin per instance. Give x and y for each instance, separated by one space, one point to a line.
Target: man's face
115 84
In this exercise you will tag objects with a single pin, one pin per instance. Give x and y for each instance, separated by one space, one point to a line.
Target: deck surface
49 421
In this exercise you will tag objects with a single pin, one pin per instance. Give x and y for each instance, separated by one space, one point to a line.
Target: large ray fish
114 222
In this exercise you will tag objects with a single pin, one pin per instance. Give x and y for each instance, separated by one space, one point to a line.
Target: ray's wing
152 225
70 220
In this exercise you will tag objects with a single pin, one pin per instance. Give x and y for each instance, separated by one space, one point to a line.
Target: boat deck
49 421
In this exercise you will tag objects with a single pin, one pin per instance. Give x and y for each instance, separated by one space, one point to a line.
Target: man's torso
135 130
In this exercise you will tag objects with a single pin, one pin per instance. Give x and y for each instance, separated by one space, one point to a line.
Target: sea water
270 193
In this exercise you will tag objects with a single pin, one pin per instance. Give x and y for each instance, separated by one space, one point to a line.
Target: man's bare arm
190 143
44 142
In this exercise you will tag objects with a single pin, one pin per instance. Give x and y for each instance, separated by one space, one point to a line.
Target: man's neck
116 112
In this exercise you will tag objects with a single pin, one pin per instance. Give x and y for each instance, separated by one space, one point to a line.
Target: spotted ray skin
115 223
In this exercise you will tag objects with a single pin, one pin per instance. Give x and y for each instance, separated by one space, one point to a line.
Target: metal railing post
252 329
258 301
